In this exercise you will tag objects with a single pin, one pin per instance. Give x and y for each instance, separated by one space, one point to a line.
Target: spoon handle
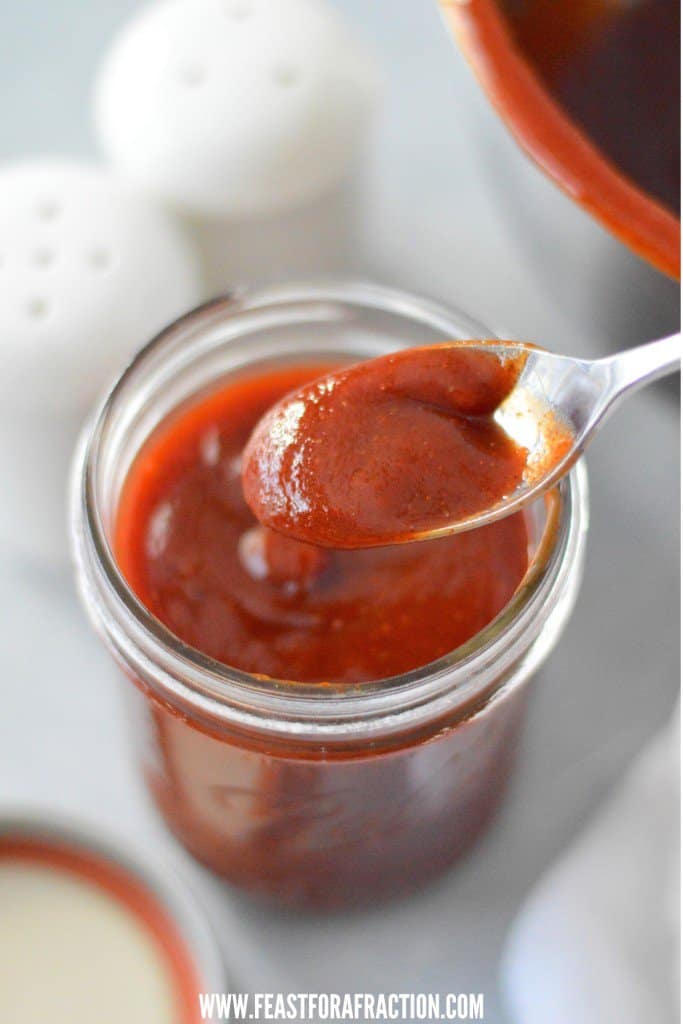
628 371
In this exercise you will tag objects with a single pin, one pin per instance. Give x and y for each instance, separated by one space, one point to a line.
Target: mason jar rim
510 647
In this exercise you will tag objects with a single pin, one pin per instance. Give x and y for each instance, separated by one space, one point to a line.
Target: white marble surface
429 225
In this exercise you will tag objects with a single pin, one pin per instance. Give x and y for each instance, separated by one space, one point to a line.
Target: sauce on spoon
386 450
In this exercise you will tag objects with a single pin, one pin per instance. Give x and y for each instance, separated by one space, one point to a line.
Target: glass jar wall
313 795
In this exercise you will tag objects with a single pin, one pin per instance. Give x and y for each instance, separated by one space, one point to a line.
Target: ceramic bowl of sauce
91 930
591 91
321 728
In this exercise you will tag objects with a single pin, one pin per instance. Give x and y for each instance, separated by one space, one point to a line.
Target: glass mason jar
313 795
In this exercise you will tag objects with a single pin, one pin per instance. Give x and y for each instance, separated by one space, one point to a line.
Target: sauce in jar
192 551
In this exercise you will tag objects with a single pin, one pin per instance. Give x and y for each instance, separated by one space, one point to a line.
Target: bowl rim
553 140
160 876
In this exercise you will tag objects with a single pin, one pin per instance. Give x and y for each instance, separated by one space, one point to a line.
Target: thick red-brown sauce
615 68
192 551
386 450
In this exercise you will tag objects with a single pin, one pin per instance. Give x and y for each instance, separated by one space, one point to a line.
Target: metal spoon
322 467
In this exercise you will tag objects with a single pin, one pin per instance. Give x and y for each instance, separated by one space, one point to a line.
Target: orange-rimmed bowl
553 140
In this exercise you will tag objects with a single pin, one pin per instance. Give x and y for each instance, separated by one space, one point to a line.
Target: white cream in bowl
73 954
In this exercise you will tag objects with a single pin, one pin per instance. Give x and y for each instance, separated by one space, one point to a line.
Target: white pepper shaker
89 271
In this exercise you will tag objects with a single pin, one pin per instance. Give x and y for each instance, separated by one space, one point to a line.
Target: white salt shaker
89 271
235 108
